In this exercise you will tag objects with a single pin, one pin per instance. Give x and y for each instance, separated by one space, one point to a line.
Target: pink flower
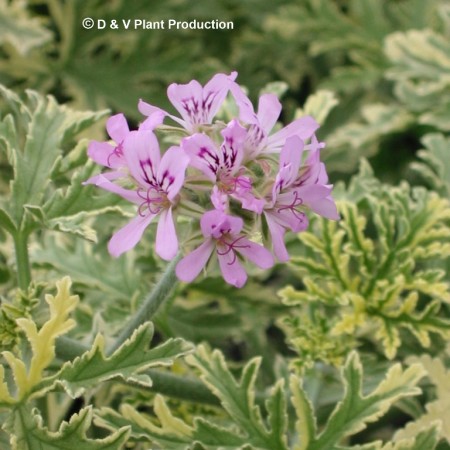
159 180
221 234
111 155
295 188
197 105
222 165
261 123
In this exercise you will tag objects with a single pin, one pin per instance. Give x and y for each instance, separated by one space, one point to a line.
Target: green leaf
28 432
318 105
68 209
238 399
438 409
367 275
249 429
425 439
378 119
42 342
421 60
6 222
435 165
92 267
126 363
19 29
355 410
46 127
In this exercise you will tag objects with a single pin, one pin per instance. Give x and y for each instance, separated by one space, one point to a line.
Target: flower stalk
151 304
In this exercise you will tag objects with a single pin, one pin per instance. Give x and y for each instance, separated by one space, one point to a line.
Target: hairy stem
22 260
151 304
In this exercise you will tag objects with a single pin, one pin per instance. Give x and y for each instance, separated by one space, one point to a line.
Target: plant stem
22 260
151 304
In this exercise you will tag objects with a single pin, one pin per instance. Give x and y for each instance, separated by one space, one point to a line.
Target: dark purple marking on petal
191 106
255 136
166 180
211 159
149 176
229 153
208 101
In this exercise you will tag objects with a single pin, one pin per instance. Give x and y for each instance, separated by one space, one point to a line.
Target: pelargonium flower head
260 124
222 165
197 105
222 236
294 189
158 181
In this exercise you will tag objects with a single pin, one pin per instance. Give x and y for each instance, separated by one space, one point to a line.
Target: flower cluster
234 180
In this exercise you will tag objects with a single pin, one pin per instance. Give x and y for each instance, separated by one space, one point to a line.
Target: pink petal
255 253
326 207
269 109
277 234
232 149
232 270
148 110
303 128
171 171
102 181
282 181
191 265
215 91
141 151
166 237
100 152
187 98
219 199
322 177
315 145
285 214
313 169
215 223
203 154
117 128
249 201
310 193
291 154
246 111
128 236
153 121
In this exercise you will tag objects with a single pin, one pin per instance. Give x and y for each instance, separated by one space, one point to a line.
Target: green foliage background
279 363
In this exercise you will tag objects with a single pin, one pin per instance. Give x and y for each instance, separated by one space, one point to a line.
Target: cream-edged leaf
126 363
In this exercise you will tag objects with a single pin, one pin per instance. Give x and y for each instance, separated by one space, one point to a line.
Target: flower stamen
230 246
118 151
298 201
154 200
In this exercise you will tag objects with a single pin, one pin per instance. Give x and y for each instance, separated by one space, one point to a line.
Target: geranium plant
205 193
